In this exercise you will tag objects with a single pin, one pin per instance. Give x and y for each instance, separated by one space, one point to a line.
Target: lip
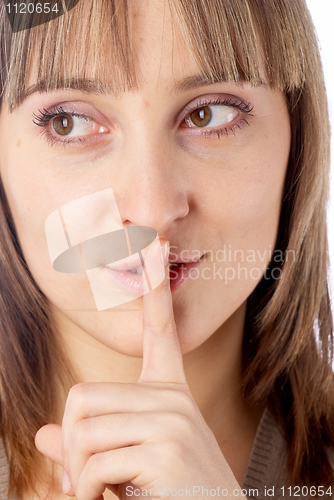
126 280
132 283
180 274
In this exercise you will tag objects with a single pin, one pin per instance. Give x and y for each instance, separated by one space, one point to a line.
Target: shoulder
267 473
4 472
267 467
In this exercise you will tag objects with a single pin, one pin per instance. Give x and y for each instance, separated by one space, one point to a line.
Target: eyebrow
96 87
202 80
83 84
193 82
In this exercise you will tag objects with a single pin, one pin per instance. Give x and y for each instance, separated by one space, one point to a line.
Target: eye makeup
63 125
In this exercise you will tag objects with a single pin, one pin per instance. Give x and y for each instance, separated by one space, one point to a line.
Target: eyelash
45 116
245 108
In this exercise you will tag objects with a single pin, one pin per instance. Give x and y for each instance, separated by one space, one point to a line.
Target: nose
151 188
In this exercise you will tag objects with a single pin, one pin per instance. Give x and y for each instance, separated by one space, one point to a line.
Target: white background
322 12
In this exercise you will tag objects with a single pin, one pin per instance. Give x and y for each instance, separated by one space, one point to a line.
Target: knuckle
182 399
82 432
78 391
94 465
155 457
178 423
186 397
172 449
77 396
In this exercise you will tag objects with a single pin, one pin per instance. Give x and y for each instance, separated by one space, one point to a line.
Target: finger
134 464
162 357
97 399
48 441
109 432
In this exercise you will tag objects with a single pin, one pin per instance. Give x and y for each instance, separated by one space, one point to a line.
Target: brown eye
63 124
201 116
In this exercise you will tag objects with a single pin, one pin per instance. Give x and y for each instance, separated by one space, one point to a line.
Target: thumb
48 441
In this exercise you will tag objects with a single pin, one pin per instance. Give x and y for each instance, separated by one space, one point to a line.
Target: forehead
159 52
160 47
150 52
127 44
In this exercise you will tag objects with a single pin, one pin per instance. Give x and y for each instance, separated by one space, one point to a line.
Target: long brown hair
288 333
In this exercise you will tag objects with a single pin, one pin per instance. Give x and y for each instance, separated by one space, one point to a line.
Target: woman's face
204 165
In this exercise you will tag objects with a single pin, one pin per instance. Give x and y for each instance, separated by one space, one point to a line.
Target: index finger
162 357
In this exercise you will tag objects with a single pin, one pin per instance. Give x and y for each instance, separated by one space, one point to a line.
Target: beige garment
267 477
4 471
266 472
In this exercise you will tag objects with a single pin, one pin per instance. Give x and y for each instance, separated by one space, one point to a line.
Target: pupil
63 124
201 117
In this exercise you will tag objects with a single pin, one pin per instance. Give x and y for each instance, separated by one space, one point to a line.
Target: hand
147 435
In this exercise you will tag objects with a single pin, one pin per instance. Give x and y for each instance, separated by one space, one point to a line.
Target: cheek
25 179
33 195
30 209
262 190
242 208
31 200
250 195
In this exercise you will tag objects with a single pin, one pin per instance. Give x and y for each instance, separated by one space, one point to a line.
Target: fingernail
66 483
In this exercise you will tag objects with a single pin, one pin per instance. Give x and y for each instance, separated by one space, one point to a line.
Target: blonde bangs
90 43
231 40
246 40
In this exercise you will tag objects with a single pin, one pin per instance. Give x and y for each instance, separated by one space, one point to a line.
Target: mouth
128 274
181 272
173 266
